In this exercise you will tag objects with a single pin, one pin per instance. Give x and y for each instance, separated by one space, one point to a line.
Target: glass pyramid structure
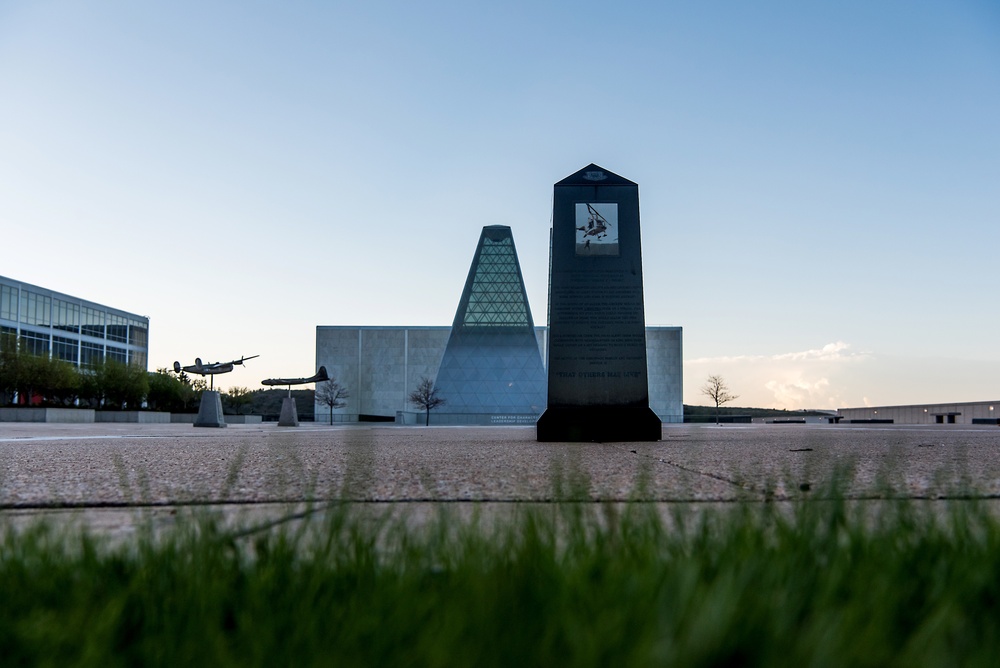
491 365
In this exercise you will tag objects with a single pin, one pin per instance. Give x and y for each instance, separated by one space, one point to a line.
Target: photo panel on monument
596 228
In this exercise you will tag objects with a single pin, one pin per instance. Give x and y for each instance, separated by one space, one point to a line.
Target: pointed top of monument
494 294
593 175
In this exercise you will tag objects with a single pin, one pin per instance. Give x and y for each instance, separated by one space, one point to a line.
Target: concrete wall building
665 372
489 366
972 412
69 328
380 366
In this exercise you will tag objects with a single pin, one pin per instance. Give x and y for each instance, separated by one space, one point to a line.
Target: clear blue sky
819 182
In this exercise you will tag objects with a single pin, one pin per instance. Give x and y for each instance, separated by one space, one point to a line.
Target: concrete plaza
107 475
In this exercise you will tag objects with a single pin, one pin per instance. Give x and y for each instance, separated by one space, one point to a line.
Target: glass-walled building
78 331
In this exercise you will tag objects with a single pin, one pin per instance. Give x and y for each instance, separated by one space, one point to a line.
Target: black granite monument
598 388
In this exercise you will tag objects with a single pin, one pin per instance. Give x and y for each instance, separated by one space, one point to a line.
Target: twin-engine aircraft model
212 369
320 376
289 411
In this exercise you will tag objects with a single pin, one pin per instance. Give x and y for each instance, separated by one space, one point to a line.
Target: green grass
823 583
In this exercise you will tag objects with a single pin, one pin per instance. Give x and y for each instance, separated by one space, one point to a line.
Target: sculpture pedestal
210 410
289 413
600 424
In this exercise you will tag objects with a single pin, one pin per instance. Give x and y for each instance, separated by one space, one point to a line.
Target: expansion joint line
707 474
278 521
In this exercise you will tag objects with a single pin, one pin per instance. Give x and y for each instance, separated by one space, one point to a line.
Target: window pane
138 358
117 328
35 308
66 316
93 322
64 349
35 343
91 354
8 302
138 333
8 337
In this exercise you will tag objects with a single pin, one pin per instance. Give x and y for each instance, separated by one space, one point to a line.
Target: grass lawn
829 582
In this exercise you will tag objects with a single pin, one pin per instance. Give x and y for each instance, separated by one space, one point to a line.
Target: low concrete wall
466 419
139 417
189 418
65 415
243 419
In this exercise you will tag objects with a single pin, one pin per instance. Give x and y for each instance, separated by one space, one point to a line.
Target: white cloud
835 376
798 379
829 352
801 392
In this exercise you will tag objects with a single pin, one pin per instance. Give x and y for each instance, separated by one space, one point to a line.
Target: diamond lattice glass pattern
496 298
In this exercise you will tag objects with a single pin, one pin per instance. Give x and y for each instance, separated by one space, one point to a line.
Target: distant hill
268 403
706 413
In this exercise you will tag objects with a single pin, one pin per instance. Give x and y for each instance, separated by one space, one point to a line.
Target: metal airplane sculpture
320 376
212 369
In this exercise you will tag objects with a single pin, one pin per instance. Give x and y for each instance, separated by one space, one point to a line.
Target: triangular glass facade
496 295
491 364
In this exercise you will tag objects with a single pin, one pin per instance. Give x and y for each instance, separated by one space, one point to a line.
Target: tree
32 378
10 366
63 386
116 386
267 403
35 379
330 393
191 391
426 397
715 388
167 392
238 397
199 386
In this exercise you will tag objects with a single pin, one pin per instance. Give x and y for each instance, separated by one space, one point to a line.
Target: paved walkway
105 472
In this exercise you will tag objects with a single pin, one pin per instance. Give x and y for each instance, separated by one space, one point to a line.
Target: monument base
600 424
289 413
210 410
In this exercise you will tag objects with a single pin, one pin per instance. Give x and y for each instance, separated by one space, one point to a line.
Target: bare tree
715 388
426 397
330 393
